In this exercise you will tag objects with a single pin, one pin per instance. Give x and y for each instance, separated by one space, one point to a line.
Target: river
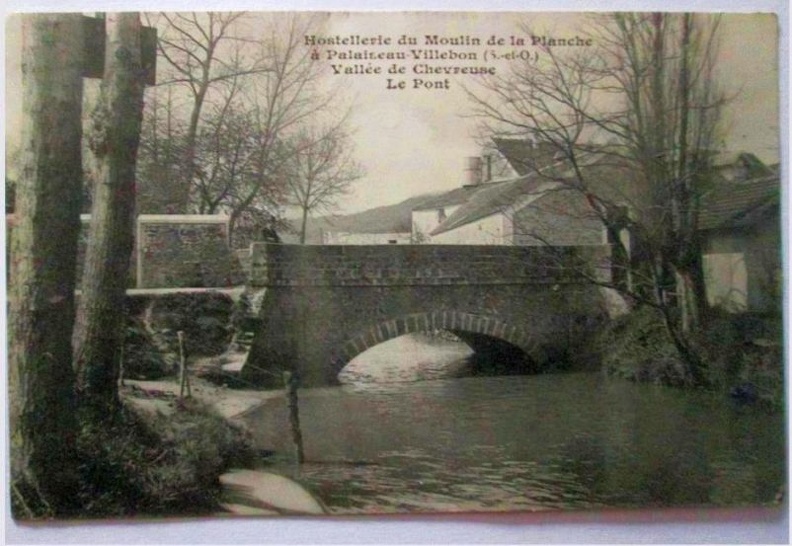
428 440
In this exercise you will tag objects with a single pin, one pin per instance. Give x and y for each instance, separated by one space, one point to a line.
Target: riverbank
245 492
576 461
741 353
161 395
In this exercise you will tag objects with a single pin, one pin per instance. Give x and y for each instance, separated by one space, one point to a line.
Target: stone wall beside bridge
170 251
326 304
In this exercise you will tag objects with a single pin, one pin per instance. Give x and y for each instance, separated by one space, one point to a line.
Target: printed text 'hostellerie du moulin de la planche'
432 61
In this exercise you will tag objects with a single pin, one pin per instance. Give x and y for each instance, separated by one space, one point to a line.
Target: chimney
472 171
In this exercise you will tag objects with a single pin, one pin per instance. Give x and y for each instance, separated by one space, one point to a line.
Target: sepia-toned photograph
268 264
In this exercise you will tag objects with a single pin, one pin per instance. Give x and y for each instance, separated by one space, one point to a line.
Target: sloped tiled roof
499 196
739 203
457 196
493 198
482 200
524 156
753 165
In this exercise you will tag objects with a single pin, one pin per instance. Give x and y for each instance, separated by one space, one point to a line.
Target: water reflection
412 357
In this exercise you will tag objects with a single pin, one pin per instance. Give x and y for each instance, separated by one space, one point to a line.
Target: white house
739 222
535 208
350 238
741 238
487 208
435 211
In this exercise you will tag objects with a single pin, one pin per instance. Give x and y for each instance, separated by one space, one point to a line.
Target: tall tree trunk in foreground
43 260
114 138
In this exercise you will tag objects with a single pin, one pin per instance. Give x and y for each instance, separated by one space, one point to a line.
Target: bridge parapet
417 265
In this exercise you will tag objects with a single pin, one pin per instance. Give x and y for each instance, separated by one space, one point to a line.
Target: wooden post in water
121 364
290 383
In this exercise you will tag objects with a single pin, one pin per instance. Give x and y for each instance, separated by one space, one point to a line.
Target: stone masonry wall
295 265
171 251
186 253
325 304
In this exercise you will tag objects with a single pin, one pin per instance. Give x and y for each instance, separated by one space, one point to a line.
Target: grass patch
149 465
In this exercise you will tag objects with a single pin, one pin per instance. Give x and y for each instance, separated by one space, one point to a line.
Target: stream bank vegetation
139 460
145 464
742 354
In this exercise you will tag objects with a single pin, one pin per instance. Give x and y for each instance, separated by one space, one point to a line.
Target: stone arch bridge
326 304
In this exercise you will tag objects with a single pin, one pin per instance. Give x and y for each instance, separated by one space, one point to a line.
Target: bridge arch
324 305
453 321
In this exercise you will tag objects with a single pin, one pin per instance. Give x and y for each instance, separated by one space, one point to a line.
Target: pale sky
414 141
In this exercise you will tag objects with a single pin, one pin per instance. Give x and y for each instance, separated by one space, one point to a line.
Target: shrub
742 354
205 319
142 358
160 465
636 346
745 355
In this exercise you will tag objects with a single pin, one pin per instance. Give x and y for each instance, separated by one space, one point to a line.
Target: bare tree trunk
682 197
303 225
686 349
181 194
43 258
115 136
688 309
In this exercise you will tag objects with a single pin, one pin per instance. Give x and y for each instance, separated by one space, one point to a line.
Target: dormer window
441 215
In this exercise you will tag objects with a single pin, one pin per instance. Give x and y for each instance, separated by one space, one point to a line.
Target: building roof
491 199
733 204
524 155
498 197
525 158
457 196
739 203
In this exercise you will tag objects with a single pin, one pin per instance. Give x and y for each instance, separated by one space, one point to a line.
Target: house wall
559 218
499 167
425 221
491 230
726 280
742 268
346 238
